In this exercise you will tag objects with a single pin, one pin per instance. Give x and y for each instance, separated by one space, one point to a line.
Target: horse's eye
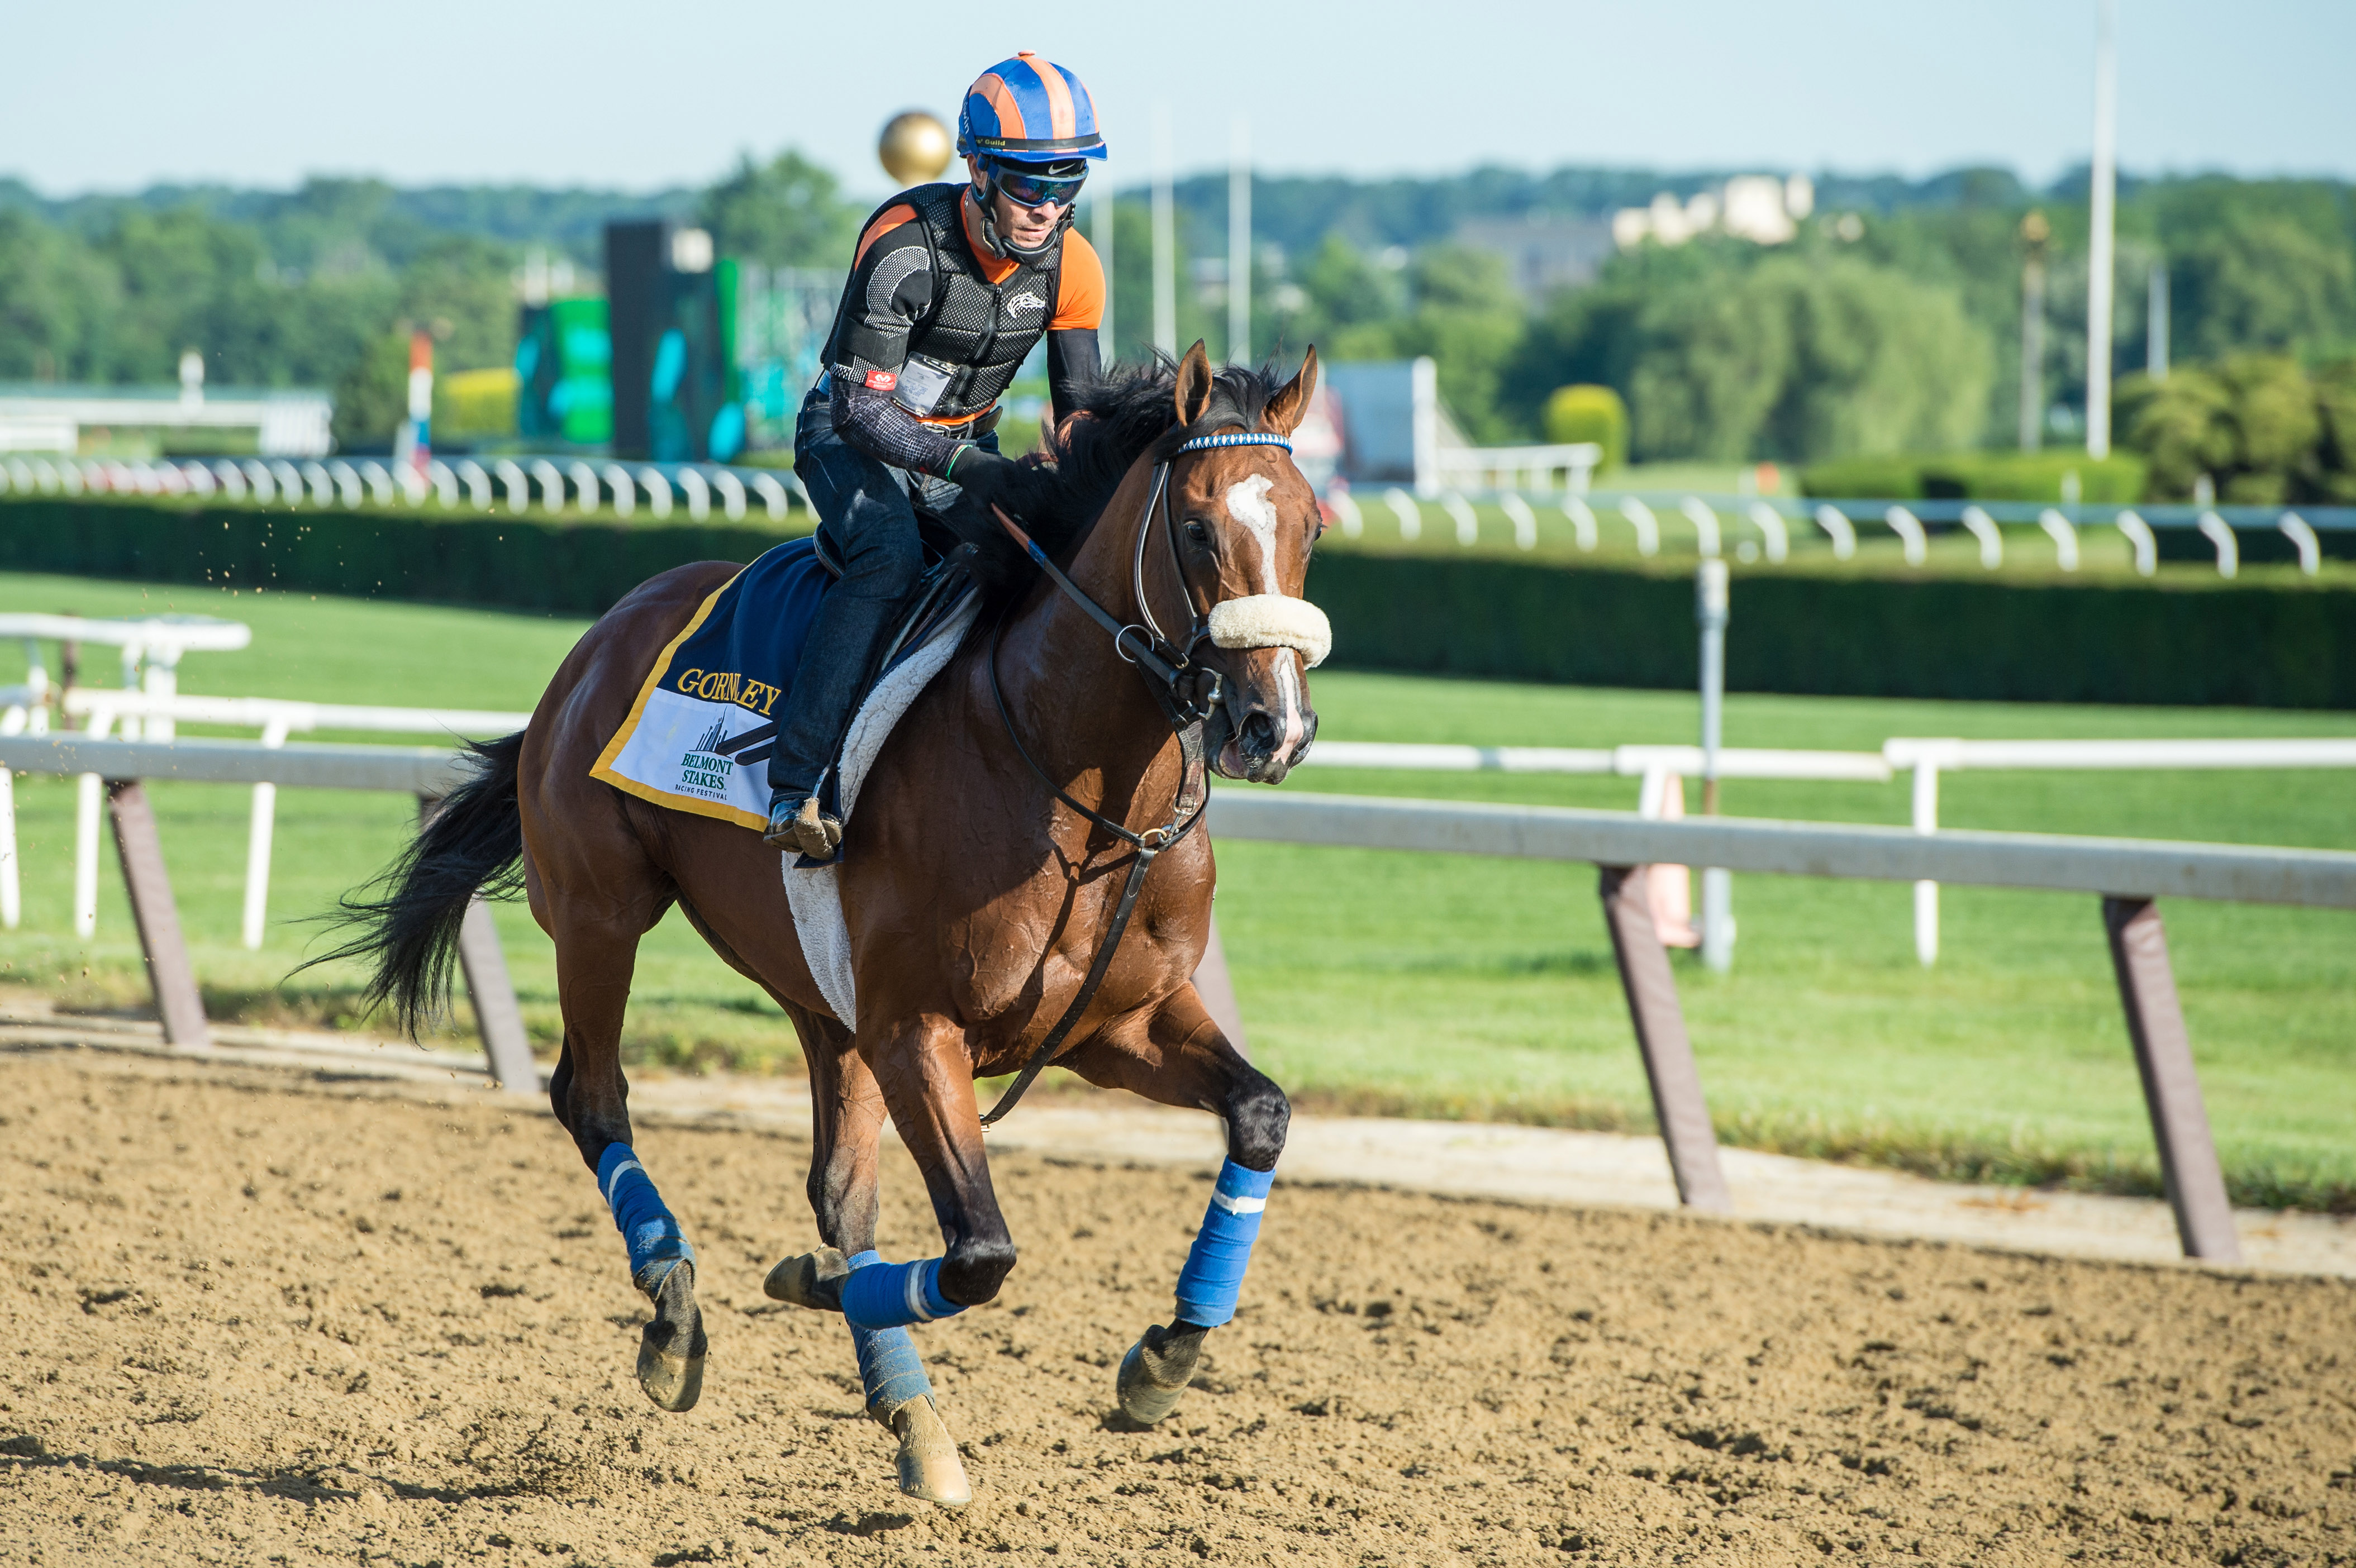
1197 532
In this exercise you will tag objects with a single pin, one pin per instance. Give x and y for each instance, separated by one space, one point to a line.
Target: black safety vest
978 332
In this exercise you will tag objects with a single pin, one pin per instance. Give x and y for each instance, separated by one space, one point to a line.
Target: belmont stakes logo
703 769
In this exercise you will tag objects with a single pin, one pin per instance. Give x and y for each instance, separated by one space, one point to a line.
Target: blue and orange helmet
1028 109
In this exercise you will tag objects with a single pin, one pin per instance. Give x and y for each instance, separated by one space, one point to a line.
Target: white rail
2149 868
276 718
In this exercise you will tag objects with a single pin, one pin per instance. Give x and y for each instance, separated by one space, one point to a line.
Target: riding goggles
1056 189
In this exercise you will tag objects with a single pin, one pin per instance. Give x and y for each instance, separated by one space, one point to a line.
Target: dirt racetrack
263 1317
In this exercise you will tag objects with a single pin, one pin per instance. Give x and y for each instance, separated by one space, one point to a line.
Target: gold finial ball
916 147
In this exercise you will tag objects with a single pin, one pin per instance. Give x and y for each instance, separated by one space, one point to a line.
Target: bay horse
987 859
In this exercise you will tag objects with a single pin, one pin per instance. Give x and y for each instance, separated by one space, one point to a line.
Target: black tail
407 921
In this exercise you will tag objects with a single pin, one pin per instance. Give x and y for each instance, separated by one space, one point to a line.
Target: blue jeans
870 528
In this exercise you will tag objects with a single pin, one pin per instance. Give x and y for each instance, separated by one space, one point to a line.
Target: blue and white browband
1246 438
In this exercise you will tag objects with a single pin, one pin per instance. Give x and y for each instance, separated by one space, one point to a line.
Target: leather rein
1188 693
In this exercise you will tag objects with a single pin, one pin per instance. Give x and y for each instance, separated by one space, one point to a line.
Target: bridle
1187 690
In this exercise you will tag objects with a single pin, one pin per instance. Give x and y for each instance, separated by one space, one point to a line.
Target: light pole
1240 241
1165 241
2034 233
1710 608
2103 202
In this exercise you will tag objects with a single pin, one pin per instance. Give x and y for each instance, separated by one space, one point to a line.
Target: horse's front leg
1179 1057
916 1067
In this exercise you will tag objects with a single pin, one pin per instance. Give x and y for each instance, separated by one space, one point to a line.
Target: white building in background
41 416
1760 208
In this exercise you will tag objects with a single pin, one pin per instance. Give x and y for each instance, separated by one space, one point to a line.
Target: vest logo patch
1026 300
882 381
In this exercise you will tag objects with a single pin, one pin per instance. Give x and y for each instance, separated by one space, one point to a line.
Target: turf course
1435 984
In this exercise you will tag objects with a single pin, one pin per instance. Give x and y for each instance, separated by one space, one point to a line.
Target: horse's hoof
813 1280
929 1466
671 1348
1156 1372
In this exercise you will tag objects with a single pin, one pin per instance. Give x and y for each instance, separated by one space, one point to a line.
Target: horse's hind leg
1179 1057
596 938
847 1113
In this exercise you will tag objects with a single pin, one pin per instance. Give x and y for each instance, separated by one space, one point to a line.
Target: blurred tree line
1892 322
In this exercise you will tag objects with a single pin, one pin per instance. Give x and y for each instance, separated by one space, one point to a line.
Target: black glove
987 479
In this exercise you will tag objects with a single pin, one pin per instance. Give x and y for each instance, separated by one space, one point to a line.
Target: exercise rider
950 289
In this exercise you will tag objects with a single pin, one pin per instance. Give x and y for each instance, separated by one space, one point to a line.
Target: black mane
1131 410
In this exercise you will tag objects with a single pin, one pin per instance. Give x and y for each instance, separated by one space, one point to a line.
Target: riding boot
796 822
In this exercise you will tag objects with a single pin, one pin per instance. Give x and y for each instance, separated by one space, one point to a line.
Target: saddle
705 721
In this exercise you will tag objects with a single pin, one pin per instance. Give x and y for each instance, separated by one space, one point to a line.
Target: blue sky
592 91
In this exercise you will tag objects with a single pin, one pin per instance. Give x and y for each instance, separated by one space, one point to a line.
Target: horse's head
1242 521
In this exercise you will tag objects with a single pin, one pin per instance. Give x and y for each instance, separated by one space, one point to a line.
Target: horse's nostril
1260 735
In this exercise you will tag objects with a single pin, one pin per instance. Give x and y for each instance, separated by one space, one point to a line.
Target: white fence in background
1657 766
355 482
1774 525
105 711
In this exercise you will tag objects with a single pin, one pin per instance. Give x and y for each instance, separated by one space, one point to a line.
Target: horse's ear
1285 409
1194 385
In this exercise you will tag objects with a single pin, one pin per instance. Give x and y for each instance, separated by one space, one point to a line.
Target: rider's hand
993 480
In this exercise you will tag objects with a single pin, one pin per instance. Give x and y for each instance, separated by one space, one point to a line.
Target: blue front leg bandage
889 1369
655 1242
892 1295
1213 1278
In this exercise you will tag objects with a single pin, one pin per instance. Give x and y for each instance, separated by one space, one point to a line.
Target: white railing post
1648 527
552 485
625 492
1770 523
2218 532
322 484
1983 529
1842 533
2300 533
698 494
772 494
1926 894
584 484
1468 522
2065 537
477 483
732 493
2137 533
1526 522
1410 515
657 492
1345 506
379 482
1909 527
259 827
348 482
445 484
518 487
1582 521
1705 522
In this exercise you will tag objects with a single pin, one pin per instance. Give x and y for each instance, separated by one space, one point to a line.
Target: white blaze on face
1247 504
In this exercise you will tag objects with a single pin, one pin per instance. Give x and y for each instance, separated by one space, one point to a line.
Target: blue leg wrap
889 1366
892 1295
655 1242
1213 1278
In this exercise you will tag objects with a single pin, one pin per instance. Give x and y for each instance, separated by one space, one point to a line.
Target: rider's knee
1257 1115
972 1272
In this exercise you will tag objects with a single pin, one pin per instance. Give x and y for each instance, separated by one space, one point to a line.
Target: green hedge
532 563
2248 645
1975 476
2259 644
